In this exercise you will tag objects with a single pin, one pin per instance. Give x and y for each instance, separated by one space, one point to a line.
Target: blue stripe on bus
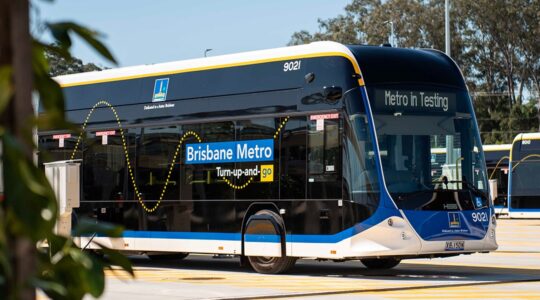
379 215
182 235
264 238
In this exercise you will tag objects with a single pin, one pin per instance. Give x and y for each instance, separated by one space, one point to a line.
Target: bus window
104 170
258 129
57 147
155 151
201 181
524 178
293 159
324 160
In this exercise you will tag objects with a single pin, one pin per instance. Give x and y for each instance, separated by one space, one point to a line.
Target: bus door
324 186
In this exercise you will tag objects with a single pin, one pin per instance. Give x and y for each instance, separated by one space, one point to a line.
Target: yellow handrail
525 158
500 160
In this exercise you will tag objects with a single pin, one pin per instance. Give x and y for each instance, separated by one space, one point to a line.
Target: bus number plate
455 245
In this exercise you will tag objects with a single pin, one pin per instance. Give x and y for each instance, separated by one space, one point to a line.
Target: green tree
496 43
28 211
60 65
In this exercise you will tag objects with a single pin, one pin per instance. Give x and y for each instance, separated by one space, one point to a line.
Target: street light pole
447 26
391 39
206 51
450 154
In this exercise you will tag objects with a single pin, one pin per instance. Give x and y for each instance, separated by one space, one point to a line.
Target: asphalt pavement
512 272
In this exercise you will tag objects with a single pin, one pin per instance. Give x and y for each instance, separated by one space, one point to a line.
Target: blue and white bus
524 178
313 151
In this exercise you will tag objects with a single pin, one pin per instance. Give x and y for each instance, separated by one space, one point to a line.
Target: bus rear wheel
271 265
380 263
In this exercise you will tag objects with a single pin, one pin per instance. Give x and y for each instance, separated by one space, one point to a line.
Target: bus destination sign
414 101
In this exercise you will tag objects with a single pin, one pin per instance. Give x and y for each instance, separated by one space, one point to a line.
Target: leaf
30 203
61 32
95 277
57 243
116 258
87 227
78 272
6 87
50 286
50 93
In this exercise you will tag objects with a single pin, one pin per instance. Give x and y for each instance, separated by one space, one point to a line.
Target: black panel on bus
398 65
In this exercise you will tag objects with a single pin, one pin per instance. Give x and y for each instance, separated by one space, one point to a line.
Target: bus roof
527 136
315 49
503 147
387 65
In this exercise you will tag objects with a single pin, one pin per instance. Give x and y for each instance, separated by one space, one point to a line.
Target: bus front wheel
380 263
271 265
269 222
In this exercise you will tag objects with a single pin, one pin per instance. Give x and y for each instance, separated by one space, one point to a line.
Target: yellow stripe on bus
223 66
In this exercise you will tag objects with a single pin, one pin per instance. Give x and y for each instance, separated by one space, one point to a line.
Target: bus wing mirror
332 93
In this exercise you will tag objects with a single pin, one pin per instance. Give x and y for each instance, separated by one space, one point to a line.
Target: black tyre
271 265
380 263
168 256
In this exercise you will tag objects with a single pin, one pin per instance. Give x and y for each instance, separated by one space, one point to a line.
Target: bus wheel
271 265
168 256
268 222
380 263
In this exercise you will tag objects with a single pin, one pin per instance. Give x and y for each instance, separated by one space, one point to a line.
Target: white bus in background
524 176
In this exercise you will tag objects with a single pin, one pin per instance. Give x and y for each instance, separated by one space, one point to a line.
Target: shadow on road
353 269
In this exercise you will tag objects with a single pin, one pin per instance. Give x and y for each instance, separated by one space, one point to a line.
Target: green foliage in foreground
28 210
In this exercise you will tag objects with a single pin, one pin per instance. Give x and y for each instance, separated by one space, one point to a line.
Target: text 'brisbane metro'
229 152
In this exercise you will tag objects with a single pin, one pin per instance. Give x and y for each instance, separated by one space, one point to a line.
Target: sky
145 32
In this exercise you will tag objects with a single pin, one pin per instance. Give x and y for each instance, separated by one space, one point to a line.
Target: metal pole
450 155
447 26
391 39
206 51
393 42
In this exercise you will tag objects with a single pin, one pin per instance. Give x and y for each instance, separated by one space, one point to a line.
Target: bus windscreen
525 191
414 126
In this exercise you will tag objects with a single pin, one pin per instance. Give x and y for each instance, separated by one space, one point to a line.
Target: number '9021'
479 217
292 65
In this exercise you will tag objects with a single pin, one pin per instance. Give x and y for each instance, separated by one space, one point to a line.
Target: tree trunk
16 51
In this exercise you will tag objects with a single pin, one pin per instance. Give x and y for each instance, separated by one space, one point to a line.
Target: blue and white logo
454 220
230 152
478 201
160 90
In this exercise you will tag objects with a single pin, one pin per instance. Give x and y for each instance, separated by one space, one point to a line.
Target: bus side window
293 159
